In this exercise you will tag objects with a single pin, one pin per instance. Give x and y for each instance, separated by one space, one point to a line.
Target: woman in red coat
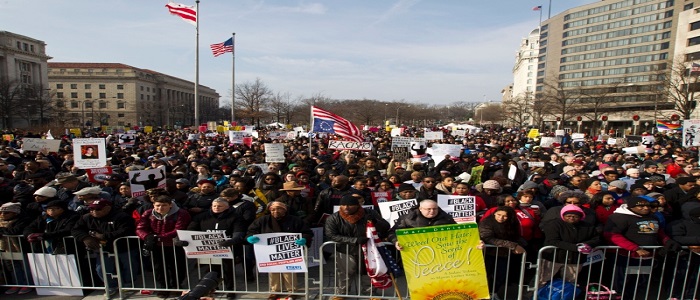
157 228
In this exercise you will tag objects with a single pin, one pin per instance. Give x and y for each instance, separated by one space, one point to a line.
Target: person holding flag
348 227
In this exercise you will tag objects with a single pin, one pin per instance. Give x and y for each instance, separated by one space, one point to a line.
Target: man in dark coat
427 213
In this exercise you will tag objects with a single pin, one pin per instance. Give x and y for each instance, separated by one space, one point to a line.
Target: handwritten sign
40 145
349 145
274 153
277 253
433 135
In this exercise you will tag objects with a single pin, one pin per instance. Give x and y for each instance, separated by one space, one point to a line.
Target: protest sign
459 133
392 210
202 244
274 153
396 131
89 153
379 197
443 262
691 133
277 135
419 150
40 145
349 145
59 270
127 140
536 164
533 133
143 180
147 129
277 253
578 136
97 175
461 208
648 141
433 135
547 141
439 151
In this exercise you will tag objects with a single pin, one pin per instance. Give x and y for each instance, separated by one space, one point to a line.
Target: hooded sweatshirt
629 230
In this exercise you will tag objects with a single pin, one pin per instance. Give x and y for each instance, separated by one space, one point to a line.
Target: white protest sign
349 145
40 145
536 164
143 180
578 136
559 132
127 140
277 253
392 210
594 257
635 150
89 153
277 135
401 141
440 150
459 132
274 153
547 141
204 244
59 270
396 131
236 137
691 133
461 208
433 135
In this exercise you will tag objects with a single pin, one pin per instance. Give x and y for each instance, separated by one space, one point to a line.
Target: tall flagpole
311 124
233 78
549 13
196 71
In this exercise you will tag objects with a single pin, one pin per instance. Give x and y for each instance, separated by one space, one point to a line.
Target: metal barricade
239 275
662 275
501 266
60 264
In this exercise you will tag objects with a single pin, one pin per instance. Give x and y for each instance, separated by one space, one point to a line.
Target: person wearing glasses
99 229
426 213
428 190
676 167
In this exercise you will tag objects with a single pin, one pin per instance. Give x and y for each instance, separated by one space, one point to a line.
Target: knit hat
349 199
491 185
57 203
618 184
567 169
572 209
405 187
684 180
11 207
636 201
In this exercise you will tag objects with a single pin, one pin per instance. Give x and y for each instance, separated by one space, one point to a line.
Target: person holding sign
348 227
427 213
502 230
279 221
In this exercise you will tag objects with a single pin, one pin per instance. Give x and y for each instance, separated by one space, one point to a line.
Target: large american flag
222 48
187 13
325 121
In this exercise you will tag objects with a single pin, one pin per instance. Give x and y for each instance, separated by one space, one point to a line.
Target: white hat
46 192
93 190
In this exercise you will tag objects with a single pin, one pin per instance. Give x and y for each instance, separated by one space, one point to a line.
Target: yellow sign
442 262
533 133
75 131
225 123
147 129
220 128
8 137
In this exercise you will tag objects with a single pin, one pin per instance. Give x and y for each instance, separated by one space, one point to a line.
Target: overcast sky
436 51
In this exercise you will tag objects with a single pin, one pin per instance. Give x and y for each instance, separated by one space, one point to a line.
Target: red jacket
674 169
165 228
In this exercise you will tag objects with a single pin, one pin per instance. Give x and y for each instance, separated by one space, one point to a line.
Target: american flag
187 13
222 48
537 7
325 121
377 269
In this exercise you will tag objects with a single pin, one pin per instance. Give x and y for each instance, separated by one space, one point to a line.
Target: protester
426 213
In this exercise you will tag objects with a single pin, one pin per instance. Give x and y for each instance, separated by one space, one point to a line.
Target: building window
141 96
88 95
19 45
120 123
74 95
120 86
120 115
74 104
31 48
120 95
59 86
103 95
688 6
103 104
102 86
121 105
142 88
88 86
694 41
59 95
148 97
88 104
74 86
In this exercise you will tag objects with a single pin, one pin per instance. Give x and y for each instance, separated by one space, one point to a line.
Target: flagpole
540 24
549 14
196 70
311 124
233 78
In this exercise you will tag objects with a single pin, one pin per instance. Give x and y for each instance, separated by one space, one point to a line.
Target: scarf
592 191
352 219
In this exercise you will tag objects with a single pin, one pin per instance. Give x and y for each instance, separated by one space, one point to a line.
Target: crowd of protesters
575 197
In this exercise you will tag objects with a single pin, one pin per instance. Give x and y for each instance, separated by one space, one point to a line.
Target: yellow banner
220 128
147 129
225 123
75 131
8 137
533 133
442 262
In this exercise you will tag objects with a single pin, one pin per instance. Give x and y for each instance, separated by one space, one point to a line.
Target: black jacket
229 221
415 219
565 236
324 203
55 230
289 223
114 225
342 232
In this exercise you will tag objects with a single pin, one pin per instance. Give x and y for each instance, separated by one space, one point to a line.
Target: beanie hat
491 185
572 209
405 187
636 201
349 199
618 184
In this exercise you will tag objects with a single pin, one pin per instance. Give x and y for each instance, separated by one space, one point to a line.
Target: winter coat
114 225
686 232
228 221
164 226
54 230
529 221
415 219
565 236
324 203
488 234
342 232
629 230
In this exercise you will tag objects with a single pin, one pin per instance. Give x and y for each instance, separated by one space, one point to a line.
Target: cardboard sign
349 145
533 133
143 180
691 133
127 140
278 253
547 141
433 135
41 145
204 244
274 153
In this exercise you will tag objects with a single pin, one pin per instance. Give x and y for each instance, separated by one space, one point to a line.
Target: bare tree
595 100
490 113
279 106
253 99
681 84
518 110
557 100
9 91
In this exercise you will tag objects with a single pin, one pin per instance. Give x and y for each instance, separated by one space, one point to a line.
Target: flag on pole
662 125
325 121
536 8
222 48
376 268
187 13
695 68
